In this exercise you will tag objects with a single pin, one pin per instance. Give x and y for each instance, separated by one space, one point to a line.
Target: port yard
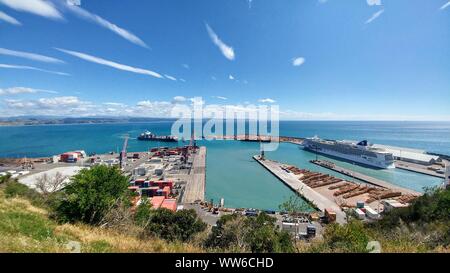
328 192
435 170
367 179
292 181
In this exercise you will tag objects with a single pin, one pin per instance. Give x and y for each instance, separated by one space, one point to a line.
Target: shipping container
360 214
157 201
371 213
170 204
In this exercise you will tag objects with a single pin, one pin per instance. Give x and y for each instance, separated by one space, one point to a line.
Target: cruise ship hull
351 158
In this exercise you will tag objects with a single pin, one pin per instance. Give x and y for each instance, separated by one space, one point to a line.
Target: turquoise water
231 172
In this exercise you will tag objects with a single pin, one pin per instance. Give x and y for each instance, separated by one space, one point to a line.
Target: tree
295 205
143 213
172 226
256 234
91 194
48 185
351 237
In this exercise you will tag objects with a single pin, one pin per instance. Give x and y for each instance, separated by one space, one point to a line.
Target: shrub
351 237
173 226
256 234
91 194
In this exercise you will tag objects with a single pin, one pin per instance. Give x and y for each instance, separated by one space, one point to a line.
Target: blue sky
316 59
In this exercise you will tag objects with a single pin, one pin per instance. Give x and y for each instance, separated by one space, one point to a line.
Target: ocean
231 173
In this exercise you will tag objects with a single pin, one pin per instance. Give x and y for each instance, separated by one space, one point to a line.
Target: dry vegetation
27 228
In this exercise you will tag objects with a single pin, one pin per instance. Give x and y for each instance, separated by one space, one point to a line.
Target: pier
195 184
418 169
362 177
292 181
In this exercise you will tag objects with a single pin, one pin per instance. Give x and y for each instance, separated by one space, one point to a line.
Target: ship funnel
363 143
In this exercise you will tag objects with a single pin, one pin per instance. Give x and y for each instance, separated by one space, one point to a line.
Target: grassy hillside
27 228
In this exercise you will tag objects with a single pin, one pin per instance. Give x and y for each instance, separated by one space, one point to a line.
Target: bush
351 237
172 226
256 234
143 213
91 194
15 189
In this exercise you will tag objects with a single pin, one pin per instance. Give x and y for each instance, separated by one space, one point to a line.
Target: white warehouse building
410 155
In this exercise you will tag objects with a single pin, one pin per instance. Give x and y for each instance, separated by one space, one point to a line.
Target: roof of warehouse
412 154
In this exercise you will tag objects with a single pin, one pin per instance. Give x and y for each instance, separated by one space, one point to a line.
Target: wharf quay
259 138
196 180
364 178
417 169
289 179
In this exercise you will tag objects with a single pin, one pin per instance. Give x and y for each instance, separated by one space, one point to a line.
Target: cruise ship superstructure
360 152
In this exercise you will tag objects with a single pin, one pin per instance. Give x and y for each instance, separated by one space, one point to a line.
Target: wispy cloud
5 17
231 77
112 64
267 100
446 5
298 61
374 2
186 66
29 56
127 35
170 77
226 50
220 97
374 16
37 7
24 67
23 90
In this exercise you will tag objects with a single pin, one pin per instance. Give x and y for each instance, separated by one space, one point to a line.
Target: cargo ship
149 136
359 152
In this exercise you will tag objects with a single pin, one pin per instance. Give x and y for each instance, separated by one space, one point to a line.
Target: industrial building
410 155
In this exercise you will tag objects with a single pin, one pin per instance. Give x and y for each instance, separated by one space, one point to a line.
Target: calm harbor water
231 171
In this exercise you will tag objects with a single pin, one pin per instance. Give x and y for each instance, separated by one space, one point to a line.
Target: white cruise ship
361 152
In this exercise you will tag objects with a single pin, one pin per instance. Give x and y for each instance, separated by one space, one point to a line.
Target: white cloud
29 56
186 66
374 16
68 105
22 90
446 5
112 64
170 77
226 50
231 77
182 80
374 2
220 97
37 7
114 104
5 17
106 24
266 100
24 67
179 99
298 61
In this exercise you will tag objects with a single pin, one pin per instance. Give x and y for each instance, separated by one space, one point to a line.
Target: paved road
304 190
195 184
